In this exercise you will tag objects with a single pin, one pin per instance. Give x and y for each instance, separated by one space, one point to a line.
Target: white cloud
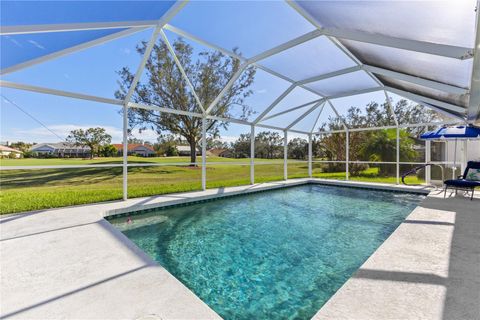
36 44
126 51
228 139
146 135
293 135
261 91
15 42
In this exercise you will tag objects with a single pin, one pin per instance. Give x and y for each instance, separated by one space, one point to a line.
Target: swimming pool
279 254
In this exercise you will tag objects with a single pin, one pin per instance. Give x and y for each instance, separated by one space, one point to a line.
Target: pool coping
27 231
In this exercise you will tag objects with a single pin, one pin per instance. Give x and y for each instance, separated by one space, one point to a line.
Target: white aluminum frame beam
449 51
473 112
205 43
415 125
281 76
347 154
456 52
397 154
318 118
274 103
204 153
70 50
338 115
126 102
125 152
182 71
416 80
140 68
390 107
285 154
340 46
249 123
81 96
292 109
232 54
354 93
305 114
166 110
64 27
426 101
330 75
428 159
252 154
310 155
174 9
227 87
171 12
285 46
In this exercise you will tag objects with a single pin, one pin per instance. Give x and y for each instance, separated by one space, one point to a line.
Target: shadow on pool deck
69 269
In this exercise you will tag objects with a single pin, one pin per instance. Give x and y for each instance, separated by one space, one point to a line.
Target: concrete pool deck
71 263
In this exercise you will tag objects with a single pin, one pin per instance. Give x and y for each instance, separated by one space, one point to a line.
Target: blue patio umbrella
455 132
466 132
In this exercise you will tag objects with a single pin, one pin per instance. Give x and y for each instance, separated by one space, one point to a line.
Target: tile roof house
7 151
137 149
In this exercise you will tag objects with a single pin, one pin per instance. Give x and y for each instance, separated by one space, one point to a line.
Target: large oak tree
94 138
164 86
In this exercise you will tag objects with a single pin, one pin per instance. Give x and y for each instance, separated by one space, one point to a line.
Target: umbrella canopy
456 132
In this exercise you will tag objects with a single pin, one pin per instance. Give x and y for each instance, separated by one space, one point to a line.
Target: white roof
59 146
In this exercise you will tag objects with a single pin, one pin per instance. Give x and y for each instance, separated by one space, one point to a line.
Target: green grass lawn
25 190
117 160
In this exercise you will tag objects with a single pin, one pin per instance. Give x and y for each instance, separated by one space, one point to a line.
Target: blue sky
249 26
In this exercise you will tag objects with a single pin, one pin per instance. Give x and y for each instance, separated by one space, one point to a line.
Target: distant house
185 150
60 150
220 152
136 149
7 152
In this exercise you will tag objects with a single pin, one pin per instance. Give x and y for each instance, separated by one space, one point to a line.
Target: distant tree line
268 145
373 145
369 145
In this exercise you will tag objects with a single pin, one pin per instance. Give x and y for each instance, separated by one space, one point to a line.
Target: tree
165 87
108 150
166 145
269 145
22 146
298 149
213 143
363 145
133 140
94 138
241 146
381 146
379 115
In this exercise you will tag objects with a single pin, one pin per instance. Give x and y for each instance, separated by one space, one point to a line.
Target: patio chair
468 181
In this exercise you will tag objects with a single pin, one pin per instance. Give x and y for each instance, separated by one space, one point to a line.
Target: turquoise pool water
272 255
